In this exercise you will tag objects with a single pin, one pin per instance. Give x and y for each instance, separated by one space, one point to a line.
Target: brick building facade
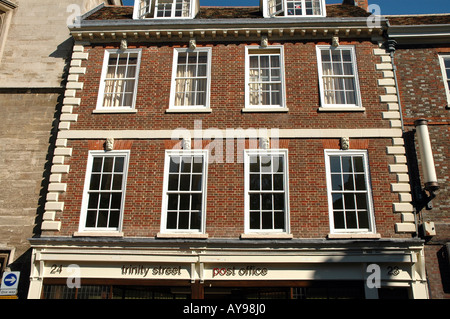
251 152
422 53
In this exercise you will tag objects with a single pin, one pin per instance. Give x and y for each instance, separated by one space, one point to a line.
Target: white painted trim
234 133
370 209
84 204
442 57
189 108
101 89
250 108
181 232
265 232
358 104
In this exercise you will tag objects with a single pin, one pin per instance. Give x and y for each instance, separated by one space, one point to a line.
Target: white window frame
101 92
358 104
172 105
282 6
168 155
86 191
252 152
248 54
445 78
150 12
370 209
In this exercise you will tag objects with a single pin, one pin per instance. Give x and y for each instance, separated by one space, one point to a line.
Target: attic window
145 9
296 8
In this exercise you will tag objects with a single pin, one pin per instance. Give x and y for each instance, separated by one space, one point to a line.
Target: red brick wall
309 216
227 92
423 96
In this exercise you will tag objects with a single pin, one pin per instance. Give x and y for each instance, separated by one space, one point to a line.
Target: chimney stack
364 4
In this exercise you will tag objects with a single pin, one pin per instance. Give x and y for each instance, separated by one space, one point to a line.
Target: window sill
341 109
267 110
354 236
204 110
121 111
98 234
267 236
182 235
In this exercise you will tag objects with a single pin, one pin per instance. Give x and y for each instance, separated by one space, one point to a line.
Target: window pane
104 200
185 182
118 166
254 202
254 164
348 182
196 183
278 164
173 182
114 219
183 222
279 220
184 201
116 200
266 181
91 218
196 202
337 201
278 201
339 221
350 218
349 201
186 164
195 220
336 182
267 220
117 182
102 220
171 220
266 201
95 182
106 182
255 220
335 164
108 164
254 182
97 164
172 202
360 182
361 201
197 166
278 182
363 219
93 200
266 164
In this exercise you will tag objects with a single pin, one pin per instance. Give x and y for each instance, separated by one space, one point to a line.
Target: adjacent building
252 152
35 49
421 49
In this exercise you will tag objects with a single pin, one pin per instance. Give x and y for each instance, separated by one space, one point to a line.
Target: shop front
227 269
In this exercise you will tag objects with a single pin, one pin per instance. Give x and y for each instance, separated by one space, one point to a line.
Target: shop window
266 191
184 198
349 192
104 192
